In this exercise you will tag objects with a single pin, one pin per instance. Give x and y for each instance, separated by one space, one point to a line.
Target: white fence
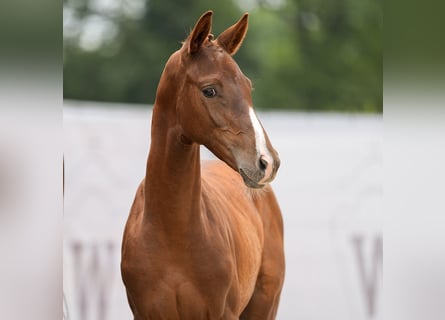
329 187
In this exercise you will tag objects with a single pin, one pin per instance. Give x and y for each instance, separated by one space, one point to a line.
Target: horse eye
209 92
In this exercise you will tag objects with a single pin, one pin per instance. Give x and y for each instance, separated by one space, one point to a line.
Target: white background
329 188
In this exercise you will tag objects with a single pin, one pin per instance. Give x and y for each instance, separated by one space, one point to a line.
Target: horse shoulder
225 197
230 207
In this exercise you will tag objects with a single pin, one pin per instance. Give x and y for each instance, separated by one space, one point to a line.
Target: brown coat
199 243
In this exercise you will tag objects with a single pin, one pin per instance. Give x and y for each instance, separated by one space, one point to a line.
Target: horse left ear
233 37
200 32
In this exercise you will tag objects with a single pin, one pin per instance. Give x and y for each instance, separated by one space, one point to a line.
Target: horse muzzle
263 173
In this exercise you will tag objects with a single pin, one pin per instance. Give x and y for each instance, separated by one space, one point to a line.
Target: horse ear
233 37
200 32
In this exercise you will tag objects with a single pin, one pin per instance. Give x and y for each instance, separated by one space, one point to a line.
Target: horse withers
205 240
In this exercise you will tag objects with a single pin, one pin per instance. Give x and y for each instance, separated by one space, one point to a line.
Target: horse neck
173 179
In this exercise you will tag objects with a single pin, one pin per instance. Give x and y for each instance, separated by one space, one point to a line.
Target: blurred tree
300 54
340 44
128 68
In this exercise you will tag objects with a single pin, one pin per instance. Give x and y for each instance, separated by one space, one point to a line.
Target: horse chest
185 292
192 280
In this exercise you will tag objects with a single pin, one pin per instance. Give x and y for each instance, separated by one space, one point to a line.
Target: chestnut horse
199 243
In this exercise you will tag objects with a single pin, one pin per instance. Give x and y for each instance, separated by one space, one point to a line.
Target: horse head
214 103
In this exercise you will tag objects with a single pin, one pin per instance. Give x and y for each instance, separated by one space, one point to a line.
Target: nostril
263 164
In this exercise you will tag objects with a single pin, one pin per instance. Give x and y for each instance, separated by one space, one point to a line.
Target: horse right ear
200 32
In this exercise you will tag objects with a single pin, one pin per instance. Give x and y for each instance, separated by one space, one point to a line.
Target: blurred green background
312 55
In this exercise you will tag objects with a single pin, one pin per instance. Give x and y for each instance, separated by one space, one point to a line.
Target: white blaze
260 142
